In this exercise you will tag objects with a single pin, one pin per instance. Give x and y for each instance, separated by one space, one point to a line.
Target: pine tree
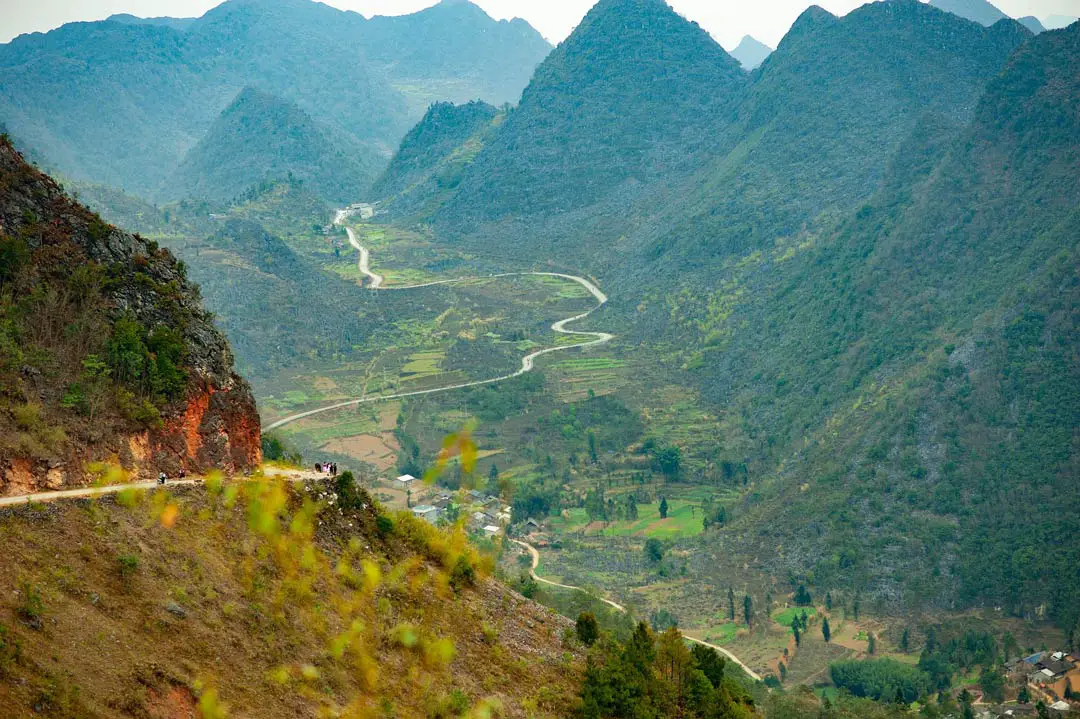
592 446
828 601
905 641
795 631
855 608
731 603
748 609
825 631
871 643
663 508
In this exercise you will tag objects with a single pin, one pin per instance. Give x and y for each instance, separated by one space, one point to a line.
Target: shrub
9 650
463 574
31 604
126 566
384 524
588 631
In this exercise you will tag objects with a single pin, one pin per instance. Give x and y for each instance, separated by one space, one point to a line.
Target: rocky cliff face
106 354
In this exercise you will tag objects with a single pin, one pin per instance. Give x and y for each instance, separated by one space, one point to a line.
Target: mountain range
820 263
121 102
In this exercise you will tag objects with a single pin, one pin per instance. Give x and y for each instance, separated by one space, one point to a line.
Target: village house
404 482
427 513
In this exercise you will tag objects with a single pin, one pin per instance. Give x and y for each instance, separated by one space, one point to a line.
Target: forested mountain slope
634 93
807 138
105 349
910 379
825 113
434 155
260 138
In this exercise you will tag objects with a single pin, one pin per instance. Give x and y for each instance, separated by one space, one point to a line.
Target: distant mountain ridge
456 52
980 11
61 92
261 138
434 155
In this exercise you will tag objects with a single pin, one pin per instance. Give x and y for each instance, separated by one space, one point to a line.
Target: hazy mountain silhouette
751 53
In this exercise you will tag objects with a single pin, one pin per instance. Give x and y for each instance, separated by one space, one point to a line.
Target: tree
1023 696
663 508
631 507
493 476
783 671
802 596
748 609
710 662
654 550
731 603
592 446
905 641
825 631
588 631
992 682
855 608
345 488
871 643
796 632
828 601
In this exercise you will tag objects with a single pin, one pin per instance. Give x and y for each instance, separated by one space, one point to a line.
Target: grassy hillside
261 598
260 138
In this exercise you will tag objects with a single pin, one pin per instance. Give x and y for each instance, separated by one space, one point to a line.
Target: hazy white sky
727 20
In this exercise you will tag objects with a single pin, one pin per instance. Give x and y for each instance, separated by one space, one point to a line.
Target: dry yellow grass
107 612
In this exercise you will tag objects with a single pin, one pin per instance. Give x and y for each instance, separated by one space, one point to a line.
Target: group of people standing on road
326 468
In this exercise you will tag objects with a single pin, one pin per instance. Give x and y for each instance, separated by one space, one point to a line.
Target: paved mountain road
532 573
528 362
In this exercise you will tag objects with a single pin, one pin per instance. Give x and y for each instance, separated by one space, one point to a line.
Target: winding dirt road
528 362
532 573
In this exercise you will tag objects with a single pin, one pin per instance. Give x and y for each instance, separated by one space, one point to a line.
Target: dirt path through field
532 572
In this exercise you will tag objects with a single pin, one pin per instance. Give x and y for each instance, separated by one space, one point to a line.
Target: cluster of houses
1053 676
485 514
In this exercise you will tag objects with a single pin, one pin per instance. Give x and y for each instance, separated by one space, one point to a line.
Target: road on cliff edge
532 573
528 362
86 492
